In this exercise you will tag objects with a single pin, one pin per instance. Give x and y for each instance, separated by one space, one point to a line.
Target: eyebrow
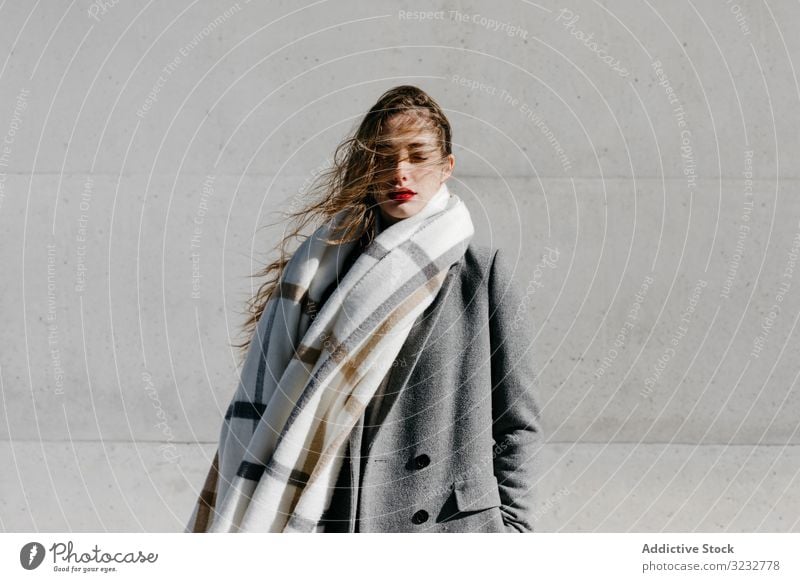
413 145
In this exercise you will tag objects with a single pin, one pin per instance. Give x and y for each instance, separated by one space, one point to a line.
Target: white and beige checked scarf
307 378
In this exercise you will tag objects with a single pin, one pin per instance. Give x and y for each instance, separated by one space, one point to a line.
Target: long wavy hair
348 187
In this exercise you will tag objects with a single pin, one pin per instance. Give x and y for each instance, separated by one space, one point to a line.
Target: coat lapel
409 353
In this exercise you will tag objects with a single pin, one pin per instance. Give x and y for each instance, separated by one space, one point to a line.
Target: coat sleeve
515 412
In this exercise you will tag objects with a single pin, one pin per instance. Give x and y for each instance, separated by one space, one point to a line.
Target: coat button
422 461
419 517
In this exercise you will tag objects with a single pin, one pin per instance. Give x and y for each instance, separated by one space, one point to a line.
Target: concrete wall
147 144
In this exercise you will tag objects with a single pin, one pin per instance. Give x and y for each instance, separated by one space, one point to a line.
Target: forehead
408 131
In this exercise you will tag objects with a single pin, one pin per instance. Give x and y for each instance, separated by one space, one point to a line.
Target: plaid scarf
309 375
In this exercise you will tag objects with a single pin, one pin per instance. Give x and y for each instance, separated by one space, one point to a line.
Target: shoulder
480 253
494 274
477 261
486 264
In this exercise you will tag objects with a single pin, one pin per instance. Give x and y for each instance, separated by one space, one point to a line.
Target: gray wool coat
459 426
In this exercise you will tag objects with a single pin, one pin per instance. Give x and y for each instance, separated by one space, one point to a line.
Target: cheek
427 176
433 179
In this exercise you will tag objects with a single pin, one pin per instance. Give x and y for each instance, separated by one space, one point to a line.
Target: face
410 168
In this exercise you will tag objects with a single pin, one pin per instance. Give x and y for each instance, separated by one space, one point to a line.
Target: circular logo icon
31 555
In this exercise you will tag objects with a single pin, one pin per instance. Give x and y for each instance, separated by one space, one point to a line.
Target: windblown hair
348 187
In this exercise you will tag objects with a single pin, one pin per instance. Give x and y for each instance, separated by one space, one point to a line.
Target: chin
401 215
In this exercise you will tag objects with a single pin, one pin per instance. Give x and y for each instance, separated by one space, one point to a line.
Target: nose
401 170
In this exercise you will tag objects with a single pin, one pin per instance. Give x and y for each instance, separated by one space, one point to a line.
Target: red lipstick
401 194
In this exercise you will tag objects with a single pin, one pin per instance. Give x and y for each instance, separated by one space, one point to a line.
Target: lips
402 194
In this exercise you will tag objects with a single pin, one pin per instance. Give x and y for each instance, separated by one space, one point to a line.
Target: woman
388 385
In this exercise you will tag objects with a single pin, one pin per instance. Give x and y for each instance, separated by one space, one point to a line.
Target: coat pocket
476 494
